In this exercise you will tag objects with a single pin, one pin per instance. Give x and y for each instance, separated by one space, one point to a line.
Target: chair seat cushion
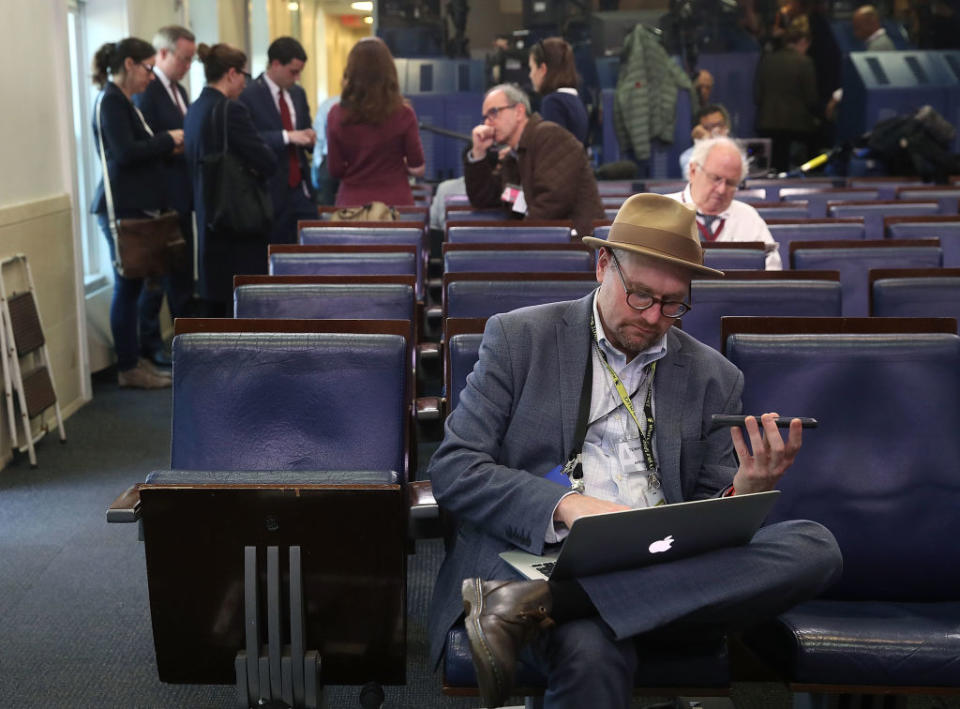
659 666
273 477
865 643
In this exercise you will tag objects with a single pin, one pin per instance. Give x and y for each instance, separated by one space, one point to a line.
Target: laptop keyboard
546 568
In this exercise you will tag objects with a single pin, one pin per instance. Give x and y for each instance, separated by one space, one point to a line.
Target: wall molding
18 213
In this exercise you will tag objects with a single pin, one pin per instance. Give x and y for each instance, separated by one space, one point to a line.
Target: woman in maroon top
373 142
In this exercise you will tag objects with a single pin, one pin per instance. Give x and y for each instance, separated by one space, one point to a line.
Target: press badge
520 205
511 193
630 453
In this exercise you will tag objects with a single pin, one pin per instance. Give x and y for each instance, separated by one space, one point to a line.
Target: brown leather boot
501 618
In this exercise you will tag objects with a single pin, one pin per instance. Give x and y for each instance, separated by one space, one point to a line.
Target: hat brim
596 243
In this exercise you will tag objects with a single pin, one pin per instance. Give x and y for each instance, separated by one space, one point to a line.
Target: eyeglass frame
148 67
492 114
685 307
715 179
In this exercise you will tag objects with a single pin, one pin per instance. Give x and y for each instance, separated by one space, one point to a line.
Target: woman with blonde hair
373 141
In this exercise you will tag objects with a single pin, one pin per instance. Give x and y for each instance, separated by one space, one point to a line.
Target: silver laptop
651 535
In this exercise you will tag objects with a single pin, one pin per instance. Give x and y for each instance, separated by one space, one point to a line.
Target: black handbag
144 247
235 196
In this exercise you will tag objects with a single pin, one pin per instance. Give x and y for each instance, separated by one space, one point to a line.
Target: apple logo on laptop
662 545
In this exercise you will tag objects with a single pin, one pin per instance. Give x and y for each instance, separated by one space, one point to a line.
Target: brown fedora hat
659 227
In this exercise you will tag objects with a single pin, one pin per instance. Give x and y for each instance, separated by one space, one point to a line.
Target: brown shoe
501 618
140 377
154 369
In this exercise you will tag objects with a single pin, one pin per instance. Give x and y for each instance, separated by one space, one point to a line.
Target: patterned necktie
293 171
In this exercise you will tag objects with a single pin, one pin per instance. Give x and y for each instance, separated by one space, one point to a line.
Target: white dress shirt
172 91
741 222
275 95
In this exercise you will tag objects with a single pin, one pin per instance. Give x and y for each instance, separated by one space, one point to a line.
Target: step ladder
26 364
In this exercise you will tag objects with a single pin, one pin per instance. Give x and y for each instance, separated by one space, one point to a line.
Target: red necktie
293 172
177 99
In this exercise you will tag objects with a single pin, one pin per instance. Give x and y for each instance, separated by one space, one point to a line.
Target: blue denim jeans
123 308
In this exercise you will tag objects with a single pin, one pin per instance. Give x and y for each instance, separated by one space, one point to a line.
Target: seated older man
717 167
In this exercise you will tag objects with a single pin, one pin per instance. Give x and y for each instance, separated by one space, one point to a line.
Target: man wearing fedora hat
552 386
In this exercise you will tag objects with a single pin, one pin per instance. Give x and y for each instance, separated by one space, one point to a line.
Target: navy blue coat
134 157
220 255
156 105
568 111
266 117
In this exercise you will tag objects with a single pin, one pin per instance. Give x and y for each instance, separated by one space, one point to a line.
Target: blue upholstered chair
692 670
531 258
880 472
915 293
735 255
783 293
774 186
514 231
886 187
376 301
369 233
275 490
785 231
945 228
854 259
782 210
473 295
456 212
947 197
817 199
874 212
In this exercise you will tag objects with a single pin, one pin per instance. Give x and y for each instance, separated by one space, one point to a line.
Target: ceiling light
368 20
363 6
293 6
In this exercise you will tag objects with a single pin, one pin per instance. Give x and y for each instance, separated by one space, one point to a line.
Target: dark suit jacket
516 420
263 110
553 169
785 91
221 256
134 157
157 106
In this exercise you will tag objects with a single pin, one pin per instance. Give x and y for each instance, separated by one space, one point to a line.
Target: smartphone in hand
727 420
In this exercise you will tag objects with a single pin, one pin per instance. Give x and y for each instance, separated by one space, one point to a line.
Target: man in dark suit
551 385
163 104
280 112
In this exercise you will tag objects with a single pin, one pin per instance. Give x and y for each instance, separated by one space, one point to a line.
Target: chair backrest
605 187
493 257
368 233
462 337
663 186
614 200
945 228
480 295
515 231
854 259
785 231
752 195
782 210
345 260
375 301
817 199
458 212
880 470
886 187
874 212
947 197
735 255
290 395
914 293
773 186
763 293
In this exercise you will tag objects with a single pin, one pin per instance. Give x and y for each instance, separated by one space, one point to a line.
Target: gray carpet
74 616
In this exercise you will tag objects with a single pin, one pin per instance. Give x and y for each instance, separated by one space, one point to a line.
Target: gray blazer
516 421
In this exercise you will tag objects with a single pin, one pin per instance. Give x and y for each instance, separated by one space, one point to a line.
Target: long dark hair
219 59
110 57
371 92
561 69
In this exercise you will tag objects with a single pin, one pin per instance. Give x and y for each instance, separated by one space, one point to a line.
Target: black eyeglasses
643 301
148 67
492 113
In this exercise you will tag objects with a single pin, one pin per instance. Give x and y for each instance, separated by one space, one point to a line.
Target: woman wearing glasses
373 141
132 154
554 76
220 254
